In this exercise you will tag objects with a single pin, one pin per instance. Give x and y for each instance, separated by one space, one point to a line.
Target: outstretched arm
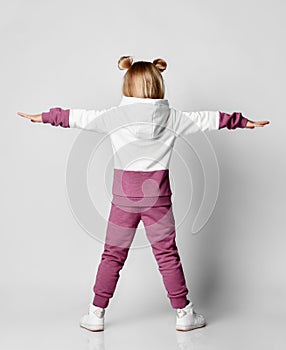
189 122
73 118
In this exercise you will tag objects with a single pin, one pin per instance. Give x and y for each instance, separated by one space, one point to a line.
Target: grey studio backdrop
221 55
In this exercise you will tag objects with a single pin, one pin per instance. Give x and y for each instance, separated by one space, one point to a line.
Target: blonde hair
143 79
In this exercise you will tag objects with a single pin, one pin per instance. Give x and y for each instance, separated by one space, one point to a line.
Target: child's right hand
33 117
252 124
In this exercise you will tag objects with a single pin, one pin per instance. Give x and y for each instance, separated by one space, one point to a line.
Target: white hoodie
143 132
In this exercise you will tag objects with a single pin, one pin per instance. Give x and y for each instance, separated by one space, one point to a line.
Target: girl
142 130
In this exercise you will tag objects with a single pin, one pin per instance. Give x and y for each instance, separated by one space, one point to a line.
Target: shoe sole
186 329
92 329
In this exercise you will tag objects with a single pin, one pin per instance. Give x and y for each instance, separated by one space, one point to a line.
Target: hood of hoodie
145 118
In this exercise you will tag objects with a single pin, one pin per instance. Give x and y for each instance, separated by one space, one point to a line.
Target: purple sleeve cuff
57 117
232 121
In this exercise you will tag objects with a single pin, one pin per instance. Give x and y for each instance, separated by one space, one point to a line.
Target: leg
159 224
121 228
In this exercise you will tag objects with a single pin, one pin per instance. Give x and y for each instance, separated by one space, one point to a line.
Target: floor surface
144 330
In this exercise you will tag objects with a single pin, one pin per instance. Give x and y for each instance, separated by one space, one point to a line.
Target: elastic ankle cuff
179 303
100 301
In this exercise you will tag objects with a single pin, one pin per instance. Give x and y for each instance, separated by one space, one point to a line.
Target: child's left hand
32 117
251 124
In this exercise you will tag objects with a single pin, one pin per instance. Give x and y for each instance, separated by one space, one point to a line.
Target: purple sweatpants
159 225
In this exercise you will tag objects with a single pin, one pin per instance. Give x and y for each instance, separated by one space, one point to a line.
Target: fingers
261 123
28 116
23 115
31 117
252 124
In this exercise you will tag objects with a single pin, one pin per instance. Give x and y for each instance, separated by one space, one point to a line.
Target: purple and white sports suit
142 132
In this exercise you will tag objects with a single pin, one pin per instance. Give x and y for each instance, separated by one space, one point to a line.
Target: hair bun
160 64
125 62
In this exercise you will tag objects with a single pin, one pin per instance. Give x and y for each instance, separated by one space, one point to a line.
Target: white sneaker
188 319
94 320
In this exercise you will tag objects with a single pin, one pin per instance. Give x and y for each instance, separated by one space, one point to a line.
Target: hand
251 124
33 117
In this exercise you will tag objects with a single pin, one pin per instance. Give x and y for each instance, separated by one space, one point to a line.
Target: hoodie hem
142 201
